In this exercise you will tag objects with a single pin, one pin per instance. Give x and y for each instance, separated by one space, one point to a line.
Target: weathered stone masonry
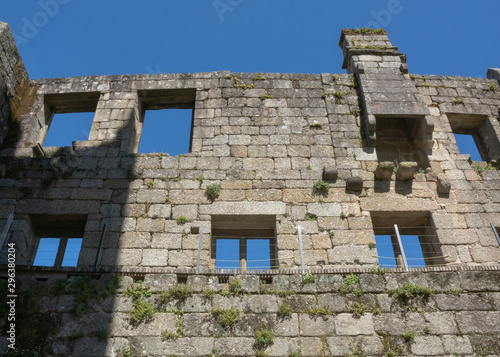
460 317
380 137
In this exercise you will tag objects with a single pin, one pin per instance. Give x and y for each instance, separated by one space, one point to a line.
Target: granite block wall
319 165
440 313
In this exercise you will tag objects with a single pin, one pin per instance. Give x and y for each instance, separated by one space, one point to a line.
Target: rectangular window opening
166 121
475 135
68 117
59 239
258 254
420 243
58 252
46 252
467 145
244 242
66 128
166 131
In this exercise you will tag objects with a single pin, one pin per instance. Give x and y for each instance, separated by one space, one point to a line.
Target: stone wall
342 156
367 314
266 139
13 78
266 154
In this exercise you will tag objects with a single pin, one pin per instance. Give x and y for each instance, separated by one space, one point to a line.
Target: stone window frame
63 227
482 129
160 99
243 228
66 103
422 226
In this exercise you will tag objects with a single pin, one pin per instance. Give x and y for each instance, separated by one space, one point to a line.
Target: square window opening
166 131
419 241
475 135
66 128
59 239
68 117
244 242
166 121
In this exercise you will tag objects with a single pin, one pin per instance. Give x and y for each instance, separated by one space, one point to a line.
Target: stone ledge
261 272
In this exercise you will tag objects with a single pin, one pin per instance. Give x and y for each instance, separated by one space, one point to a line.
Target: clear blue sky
62 38
129 37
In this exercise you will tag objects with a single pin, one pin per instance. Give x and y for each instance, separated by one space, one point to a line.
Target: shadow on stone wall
59 309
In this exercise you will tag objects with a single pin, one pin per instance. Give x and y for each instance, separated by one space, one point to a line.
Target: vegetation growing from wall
365 31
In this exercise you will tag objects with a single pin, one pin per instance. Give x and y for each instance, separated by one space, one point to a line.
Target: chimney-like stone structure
385 87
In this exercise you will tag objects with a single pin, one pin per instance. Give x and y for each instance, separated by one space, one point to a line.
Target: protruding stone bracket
330 174
406 170
369 126
354 183
443 184
384 170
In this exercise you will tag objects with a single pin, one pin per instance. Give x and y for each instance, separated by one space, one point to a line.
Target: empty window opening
419 242
389 254
166 121
475 135
227 254
258 254
233 253
466 145
244 242
166 131
68 117
59 239
58 252
401 139
47 252
66 128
